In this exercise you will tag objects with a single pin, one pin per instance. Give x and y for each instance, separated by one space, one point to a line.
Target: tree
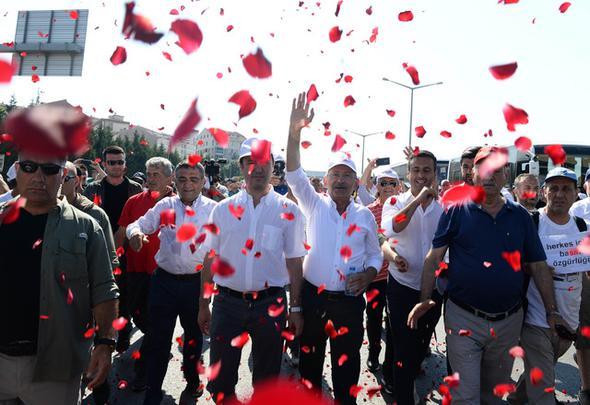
6 148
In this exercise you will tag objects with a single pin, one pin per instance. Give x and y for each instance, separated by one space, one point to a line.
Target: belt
486 315
22 348
567 277
330 295
179 277
251 296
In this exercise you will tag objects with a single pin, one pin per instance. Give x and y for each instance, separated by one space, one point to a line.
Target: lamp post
363 149
411 99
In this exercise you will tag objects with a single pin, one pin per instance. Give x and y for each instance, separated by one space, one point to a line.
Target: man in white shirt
582 209
343 260
257 249
543 349
410 219
175 284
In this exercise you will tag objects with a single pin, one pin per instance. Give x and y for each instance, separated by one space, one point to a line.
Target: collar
244 196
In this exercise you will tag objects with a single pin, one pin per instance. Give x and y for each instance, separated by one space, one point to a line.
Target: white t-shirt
568 287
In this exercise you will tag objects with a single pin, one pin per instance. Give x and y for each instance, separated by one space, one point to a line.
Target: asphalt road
434 367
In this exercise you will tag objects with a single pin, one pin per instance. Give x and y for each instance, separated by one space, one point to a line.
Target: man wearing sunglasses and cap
341 263
57 291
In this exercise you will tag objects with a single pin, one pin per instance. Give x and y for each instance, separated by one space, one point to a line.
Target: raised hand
301 115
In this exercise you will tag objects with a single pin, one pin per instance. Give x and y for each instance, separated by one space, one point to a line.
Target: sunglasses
388 183
68 178
48 169
115 162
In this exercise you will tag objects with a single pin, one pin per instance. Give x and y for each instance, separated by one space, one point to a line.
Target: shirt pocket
72 263
272 237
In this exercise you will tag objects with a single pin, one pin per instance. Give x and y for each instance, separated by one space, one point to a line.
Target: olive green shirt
74 257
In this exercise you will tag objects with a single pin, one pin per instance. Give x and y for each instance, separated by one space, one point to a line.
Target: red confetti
514 116
345 252
312 93
461 120
405 16
186 232
556 153
220 136
260 150
335 34
119 323
74 15
139 26
517 351
389 135
173 12
502 389
188 123
221 268
305 144
420 131
536 375
244 99
413 72
445 134
167 217
236 210
342 359
564 6
240 340
257 65
523 143
190 36
338 143
275 310
513 259
502 72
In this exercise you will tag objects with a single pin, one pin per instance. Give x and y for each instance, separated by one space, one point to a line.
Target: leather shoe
373 365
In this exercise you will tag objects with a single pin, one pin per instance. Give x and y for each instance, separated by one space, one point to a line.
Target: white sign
562 253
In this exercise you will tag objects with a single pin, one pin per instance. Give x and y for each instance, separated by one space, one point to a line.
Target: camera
279 169
213 168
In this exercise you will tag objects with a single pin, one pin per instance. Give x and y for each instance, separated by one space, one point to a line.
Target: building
207 147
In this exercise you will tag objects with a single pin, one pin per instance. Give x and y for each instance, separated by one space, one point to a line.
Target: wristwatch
295 309
112 343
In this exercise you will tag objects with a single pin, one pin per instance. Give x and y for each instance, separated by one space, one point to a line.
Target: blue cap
561 172
587 175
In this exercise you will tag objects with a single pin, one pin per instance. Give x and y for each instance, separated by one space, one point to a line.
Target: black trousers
171 298
138 288
343 311
374 327
409 345
232 316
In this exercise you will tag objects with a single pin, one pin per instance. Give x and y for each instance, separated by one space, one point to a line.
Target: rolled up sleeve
387 217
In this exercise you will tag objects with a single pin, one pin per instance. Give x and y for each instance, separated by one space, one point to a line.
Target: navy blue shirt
478 274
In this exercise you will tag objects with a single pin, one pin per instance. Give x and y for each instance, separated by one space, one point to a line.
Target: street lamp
363 149
411 98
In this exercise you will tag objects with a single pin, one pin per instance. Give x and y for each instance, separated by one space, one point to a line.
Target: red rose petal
35 78
244 99
220 136
452 381
186 232
536 375
585 331
345 252
275 310
289 216
312 93
167 217
464 332
523 143
372 294
342 359
12 211
564 6
188 123
212 228
338 143
212 371
257 65
389 135
461 120
330 330
502 389
502 72
74 15
190 36
514 116
556 153
119 323
445 134
236 210
194 159
139 26
322 287
209 290
240 340
221 268
335 34
338 7
305 144
462 194
349 100
261 151
69 297
413 72
355 390
513 259
517 351
420 131
405 16
391 113
400 218
351 229
167 55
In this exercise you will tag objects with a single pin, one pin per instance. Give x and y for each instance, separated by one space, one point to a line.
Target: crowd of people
272 257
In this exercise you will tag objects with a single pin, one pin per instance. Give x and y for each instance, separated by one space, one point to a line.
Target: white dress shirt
173 256
365 196
581 209
414 242
274 239
327 234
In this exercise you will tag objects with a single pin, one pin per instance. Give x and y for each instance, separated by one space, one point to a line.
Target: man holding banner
560 233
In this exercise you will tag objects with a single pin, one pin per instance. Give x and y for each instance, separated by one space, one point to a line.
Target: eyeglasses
388 183
115 162
338 176
48 169
68 178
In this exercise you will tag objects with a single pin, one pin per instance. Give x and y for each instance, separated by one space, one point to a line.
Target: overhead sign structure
49 42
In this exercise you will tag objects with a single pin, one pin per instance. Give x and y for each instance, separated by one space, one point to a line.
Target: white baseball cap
246 147
340 158
387 172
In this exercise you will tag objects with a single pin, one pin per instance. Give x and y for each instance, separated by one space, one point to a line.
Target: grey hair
521 177
158 162
187 165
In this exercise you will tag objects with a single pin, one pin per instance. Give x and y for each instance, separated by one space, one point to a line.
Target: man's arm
295 269
433 258
100 359
301 116
120 236
365 180
404 216
204 318
543 277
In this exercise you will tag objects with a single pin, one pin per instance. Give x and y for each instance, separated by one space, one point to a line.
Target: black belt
24 348
486 315
251 296
179 277
330 295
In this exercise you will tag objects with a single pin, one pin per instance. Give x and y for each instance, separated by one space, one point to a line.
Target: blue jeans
170 298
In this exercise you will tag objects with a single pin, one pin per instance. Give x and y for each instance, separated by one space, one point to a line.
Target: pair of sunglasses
48 169
388 183
115 162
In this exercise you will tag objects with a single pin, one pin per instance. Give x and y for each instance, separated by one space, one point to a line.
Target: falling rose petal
244 99
212 371
211 228
445 134
312 93
405 16
236 210
69 297
342 359
452 381
413 72
136 355
503 72
330 330
564 6
12 211
288 216
167 217
89 333
249 244
275 310
37 243
188 123
420 131
585 331
464 332
374 34
122 384
391 113
487 264
261 151
502 389
584 246
536 376
389 135
517 351
399 218
257 65
345 253
338 143
322 287
369 11
305 144
349 101
513 259
221 268
338 5
173 12
461 120
35 78
335 34
351 229
220 136
372 294
74 15
189 34
355 390
139 26
514 116
186 232
6 71
288 335
209 290
497 159
523 143
194 159
119 323
240 340
167 55
462 194
442 268
556 153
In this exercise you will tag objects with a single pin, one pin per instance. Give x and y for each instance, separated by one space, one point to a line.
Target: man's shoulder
209 203
70 214
88 207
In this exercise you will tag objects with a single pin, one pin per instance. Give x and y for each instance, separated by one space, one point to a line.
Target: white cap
341 158
387 171
11 173
246 147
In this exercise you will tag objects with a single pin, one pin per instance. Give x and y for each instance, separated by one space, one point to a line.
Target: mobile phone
87 161
382 161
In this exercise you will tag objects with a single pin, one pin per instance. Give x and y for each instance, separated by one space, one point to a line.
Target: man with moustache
526 190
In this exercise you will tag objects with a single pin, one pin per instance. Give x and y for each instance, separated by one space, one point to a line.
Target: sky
453 41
